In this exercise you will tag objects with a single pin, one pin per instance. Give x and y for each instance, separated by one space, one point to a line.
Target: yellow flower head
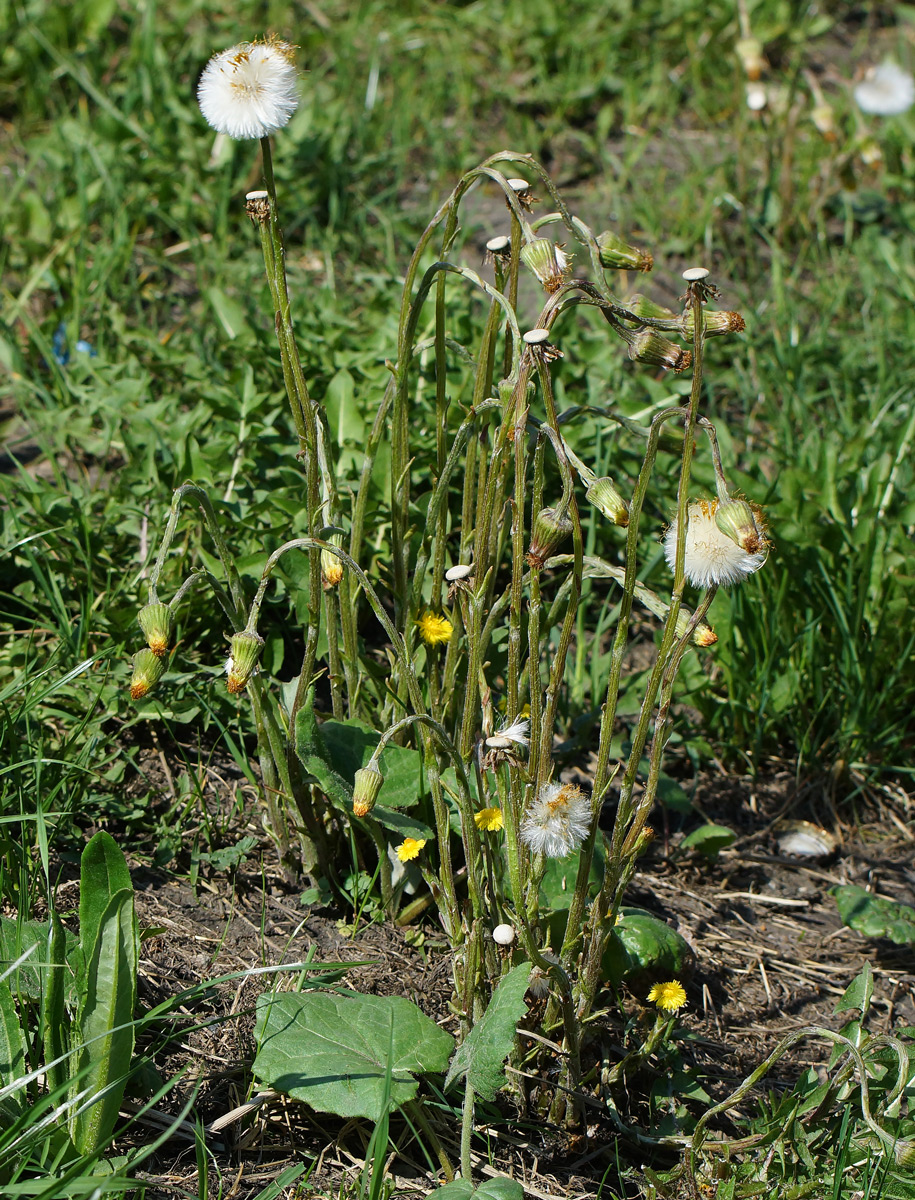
668 996
410 848
434 629
488 820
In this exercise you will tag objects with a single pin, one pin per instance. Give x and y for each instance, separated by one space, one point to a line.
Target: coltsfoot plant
424 717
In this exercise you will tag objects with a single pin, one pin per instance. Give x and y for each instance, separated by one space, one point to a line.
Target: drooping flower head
410 848
434 629
669 997
249 90
557 820
712 557
886 91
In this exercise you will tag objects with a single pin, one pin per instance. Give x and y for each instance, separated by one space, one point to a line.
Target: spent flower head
249 90
557 820
433 628
712 557
669 997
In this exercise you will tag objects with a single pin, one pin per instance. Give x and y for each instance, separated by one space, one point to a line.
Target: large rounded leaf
348 1055
643 950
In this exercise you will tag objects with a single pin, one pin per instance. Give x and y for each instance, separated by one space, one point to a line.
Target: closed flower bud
550 528
604 496
148 669
742 524
331 569
548 261
615 253
714 323
649 347
904 1153
366 787
243 659
158 623
824 119
641 306
749 51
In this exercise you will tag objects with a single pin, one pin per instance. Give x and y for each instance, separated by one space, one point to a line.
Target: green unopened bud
158 623
714 322
904 1153
366 787
649 347
549 262
641 306
749 51
743 524
148 669
616 253
550 528
243 659
331 569
604 496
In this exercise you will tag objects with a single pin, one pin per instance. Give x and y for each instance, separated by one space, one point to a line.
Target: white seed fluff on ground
886 91
249 90
557 820
711 557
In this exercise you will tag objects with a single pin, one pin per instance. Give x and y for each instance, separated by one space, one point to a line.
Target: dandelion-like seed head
886 91
249 90
713 558
433 628
501 746
557 820
488 820
409 848
669 997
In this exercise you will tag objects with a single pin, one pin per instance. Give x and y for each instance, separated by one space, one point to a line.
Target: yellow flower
489 820
410 848
434 629
668 996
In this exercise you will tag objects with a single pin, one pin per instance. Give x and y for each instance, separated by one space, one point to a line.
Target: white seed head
518 185
536 337
260 194
757 99
694 274
503 935
711 557
556 821
496 245
886 91
461 571
516 733
249 90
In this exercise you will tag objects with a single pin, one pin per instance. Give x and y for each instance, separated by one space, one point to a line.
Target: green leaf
874 916
481 1055
15 938
492 1189
709 839
103 873
229 312
12 1055
859 992
332 1050
643 950
347 427
110 947
333 751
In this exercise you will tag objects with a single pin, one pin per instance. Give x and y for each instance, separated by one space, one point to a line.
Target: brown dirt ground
772 956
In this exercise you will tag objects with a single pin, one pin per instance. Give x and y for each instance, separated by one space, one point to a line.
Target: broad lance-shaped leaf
481 1055
492 1189
12 1056
105 1021
875 916
102 873
331 1050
